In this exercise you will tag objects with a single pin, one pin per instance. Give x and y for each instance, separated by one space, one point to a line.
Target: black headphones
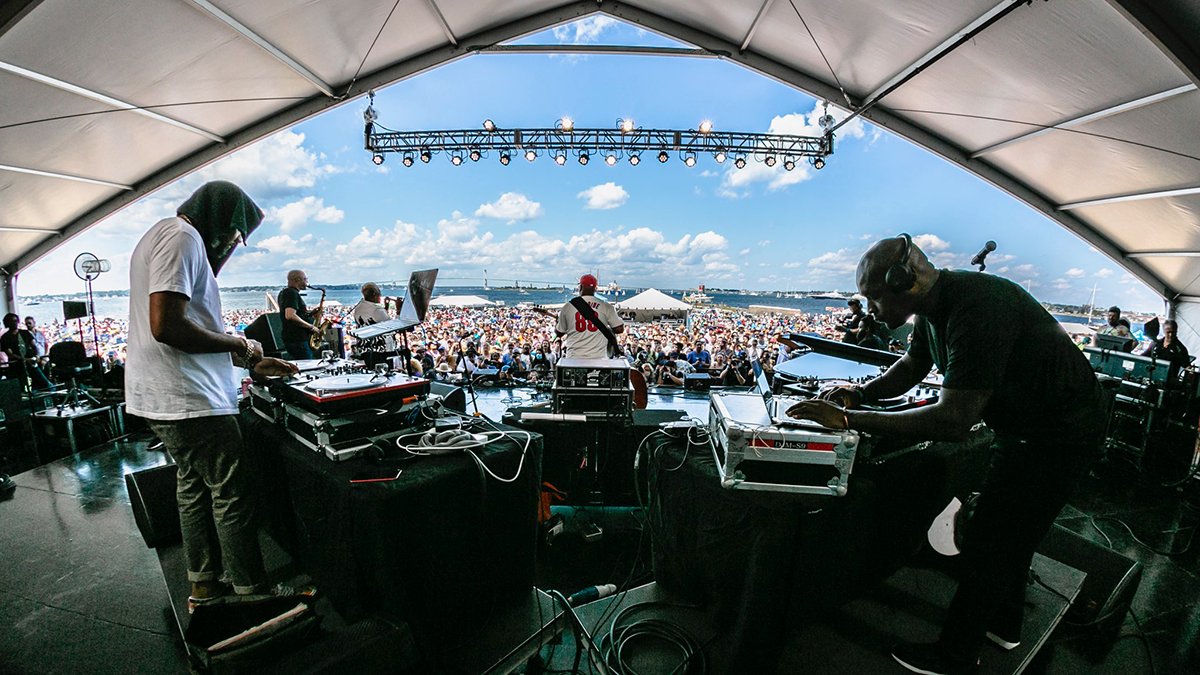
899 277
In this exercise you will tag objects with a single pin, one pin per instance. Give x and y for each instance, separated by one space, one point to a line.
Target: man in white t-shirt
581 338
180 377
368 312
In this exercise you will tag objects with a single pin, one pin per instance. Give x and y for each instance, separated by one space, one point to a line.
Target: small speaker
1112 578
453 397
155 509
697 382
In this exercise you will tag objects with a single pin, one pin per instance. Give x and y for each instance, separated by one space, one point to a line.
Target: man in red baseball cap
588 324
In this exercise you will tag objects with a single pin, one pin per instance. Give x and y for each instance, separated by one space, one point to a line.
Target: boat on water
697 297
828 296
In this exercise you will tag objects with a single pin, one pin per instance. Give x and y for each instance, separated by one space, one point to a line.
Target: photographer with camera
736 373
668 373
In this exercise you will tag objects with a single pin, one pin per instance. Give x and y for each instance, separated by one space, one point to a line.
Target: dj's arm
950 419
902 376
170 325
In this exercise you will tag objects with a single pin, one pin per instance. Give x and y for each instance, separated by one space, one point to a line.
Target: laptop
412 312
777 405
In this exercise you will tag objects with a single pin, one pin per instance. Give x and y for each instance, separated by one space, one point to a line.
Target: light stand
87 267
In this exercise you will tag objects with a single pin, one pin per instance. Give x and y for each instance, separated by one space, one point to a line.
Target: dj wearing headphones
1026 380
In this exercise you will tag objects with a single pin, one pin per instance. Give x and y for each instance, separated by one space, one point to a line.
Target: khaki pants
215 510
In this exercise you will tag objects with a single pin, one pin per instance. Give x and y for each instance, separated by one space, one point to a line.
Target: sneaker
927 659
278 591
1007 643
218 596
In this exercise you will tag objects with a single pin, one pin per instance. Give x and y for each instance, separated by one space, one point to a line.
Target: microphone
978 259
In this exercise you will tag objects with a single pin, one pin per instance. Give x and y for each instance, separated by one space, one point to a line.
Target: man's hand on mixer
270 367
824 413
846 397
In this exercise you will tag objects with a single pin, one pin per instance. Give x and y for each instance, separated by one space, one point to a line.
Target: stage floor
80 592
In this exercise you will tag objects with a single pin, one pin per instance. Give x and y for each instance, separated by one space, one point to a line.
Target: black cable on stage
1094 520
1145 641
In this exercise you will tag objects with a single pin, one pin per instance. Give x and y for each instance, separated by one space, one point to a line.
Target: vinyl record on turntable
337 383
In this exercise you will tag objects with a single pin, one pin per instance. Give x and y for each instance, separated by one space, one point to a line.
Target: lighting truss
604 143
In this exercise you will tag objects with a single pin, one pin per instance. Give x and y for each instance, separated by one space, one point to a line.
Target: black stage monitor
74 309
1114 342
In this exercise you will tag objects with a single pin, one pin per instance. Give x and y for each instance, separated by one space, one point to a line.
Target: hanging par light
456 160
720 157
634 160
583 158
610 159
408 159
505 158
377 158
818 163
740 162
475 154
489 125
705 126
530 155
425 155
560 158
789 164
626 126
770 160
690 159
566 124
663 156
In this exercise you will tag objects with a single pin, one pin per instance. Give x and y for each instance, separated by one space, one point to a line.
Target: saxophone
315 340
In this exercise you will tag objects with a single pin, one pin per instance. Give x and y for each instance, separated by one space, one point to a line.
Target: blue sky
335 214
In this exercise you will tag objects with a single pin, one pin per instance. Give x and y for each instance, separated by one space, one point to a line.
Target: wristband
248 357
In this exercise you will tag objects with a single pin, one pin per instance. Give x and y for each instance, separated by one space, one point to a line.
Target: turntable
323 393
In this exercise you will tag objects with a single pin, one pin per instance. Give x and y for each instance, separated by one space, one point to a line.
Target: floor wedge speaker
1112 578
155 510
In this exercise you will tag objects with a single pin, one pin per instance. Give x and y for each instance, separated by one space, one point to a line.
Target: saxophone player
298 322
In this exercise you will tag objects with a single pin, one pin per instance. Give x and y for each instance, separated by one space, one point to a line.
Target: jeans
298 350
215 509
1027 484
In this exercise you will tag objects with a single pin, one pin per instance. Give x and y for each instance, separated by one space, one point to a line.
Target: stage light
425 156
705 126
769 161
626 126
505 158
818 163
560 158
475 154
456 159
634 160
583 158
663 156
530 155
789 164
720 157
408 159
566 123
377 158
610 159
740 162
489 125
690 159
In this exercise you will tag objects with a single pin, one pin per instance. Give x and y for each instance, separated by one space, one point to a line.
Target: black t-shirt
18 342
988 333
1177 353
290 297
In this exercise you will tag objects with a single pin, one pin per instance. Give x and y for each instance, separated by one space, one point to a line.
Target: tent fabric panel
149 52
466 17
1187 315
12 243
40 201
1070 168
1184 272
113 146
726 20
1042 64
330 37
1165 224
867 42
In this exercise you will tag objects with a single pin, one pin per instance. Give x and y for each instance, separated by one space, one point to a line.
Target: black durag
219 208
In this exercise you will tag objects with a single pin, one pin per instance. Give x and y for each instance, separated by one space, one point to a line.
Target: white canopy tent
1085 110
461 301
651 305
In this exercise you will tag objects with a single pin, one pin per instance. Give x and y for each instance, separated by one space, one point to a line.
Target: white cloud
736 180
744 251
603 197
765 242
1103 273
794 264
511 206
931 243
297 214
840 263
1075 272
584 30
